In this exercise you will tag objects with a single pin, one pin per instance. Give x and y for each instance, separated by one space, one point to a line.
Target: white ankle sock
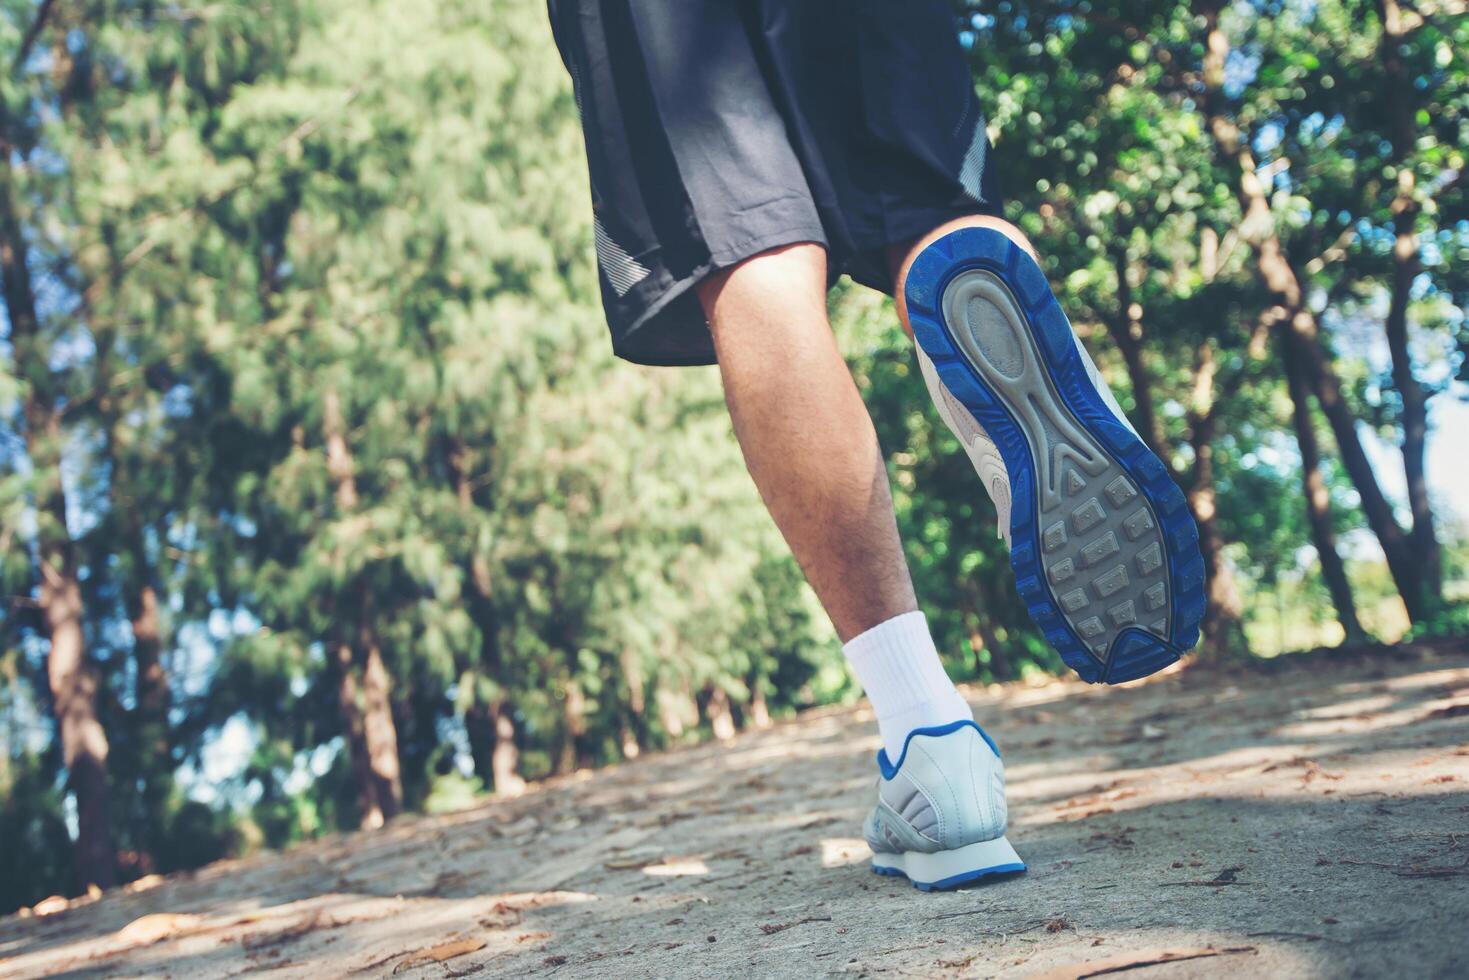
899 668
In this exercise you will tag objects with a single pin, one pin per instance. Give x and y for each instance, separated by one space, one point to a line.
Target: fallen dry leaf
502 916
143 884
51 905
440 953
149 929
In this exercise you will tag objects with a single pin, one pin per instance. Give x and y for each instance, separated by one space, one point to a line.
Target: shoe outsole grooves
1109 625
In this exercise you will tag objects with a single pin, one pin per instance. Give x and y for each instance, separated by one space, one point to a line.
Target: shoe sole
1104 549
951 869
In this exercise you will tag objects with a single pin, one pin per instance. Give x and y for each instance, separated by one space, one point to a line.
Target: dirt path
1306 820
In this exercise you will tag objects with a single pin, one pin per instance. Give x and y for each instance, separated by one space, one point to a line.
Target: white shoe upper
947 790
982 451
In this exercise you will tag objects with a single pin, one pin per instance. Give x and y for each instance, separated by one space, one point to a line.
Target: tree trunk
379 729
70 674
669 713
1318 503
1406 266
627 738
1126 328
491 730
354 728
505 762
339 463
1397 548
632 673
1258 229
759 708
491 722
635 705
677 709
574 727
367 724
151 696
980 626
721 718
495 716
1223 627
367 708
479 731
84 744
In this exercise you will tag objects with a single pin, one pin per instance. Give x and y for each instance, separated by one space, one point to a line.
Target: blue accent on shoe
1134 653
954 881
889 770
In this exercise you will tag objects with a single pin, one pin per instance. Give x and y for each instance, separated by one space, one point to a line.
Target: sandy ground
1303 819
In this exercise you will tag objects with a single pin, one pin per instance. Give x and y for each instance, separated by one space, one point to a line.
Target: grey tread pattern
1101 546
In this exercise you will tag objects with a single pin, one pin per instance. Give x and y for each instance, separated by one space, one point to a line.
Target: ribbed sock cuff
899 668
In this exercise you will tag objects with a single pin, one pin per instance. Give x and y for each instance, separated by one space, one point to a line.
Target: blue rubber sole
956 881
1135 652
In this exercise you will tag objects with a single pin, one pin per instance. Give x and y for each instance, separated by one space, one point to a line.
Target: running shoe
1104 549
940 816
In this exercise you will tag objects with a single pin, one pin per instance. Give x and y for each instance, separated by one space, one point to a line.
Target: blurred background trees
321 497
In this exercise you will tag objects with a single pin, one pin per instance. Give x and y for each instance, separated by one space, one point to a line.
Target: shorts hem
624 343
915 224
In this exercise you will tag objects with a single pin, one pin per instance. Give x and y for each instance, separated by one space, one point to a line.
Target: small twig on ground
980 911
770 928
1133 961
1226 876
899 949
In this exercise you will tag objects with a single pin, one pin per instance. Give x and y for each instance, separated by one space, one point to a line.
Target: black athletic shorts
718 129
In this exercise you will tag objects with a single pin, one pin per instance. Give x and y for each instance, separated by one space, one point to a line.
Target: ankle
899 668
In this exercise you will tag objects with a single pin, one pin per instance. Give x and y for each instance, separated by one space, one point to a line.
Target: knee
791 270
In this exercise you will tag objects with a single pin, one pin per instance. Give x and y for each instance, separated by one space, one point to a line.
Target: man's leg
806 435
812 452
